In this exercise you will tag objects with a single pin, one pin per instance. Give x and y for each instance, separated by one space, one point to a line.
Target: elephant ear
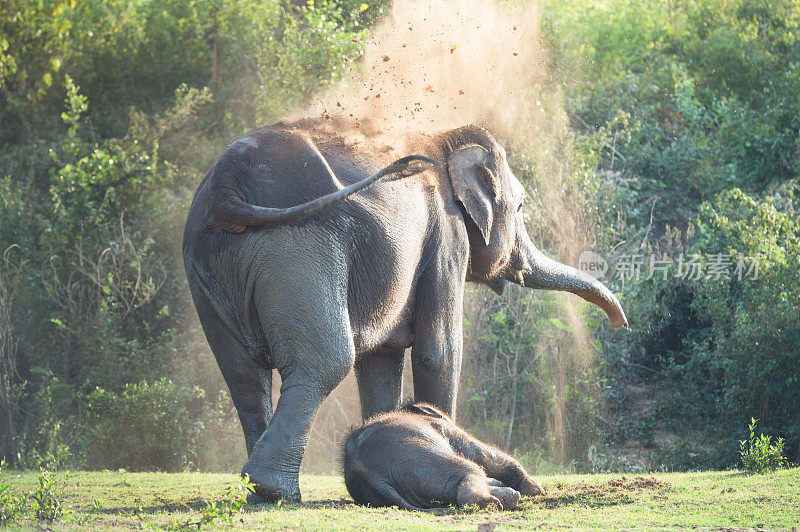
474 185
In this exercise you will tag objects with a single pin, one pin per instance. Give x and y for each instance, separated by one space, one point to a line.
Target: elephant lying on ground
416 458
291 270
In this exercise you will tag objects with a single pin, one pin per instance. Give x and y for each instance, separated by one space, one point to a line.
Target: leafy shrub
152 425
44 442
223 512
717 346
44 503
45 500
759 454
709 93
542 392
86 191
744 354
12 507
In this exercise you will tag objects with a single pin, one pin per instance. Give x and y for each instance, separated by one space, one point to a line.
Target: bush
94 191
717 346
542 391
709 93
46 501
222 446
12 507
152 425
744 353
759 454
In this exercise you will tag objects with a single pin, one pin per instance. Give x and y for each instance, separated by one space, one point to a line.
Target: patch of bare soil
609 493
637 483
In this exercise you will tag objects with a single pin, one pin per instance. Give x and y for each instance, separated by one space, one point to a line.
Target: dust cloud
437 65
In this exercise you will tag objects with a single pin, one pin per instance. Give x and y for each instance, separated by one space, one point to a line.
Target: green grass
709 499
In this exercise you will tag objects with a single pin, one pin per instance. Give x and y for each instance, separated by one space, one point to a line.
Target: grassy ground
712 499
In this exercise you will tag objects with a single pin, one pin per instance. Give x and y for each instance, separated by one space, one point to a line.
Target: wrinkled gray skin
416 458
313 287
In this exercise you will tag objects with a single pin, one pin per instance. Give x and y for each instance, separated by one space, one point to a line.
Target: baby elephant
416 458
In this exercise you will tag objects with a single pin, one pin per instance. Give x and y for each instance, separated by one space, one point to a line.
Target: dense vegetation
683 144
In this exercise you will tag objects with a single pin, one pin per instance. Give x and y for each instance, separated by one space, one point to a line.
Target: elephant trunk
535 270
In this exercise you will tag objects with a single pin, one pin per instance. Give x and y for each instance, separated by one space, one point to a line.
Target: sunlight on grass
708 499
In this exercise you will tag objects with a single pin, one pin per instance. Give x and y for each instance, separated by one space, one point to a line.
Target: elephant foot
508 497
271 487
474 491
529 487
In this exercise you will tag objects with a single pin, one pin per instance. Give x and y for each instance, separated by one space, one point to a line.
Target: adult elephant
286 275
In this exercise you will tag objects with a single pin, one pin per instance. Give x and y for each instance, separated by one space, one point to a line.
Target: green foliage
220 446
314 49
717 346
689 115
708 92
42 435
222 512
739 358
76 106
46 500
753 320
12 507
531 385
44 503
759 454
94 188
136 53
151 425
92 184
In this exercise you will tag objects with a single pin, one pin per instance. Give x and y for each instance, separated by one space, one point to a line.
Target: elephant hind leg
445 479
310 369
249 382
302 309
476 488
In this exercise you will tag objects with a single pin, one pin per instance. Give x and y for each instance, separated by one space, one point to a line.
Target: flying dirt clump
438 65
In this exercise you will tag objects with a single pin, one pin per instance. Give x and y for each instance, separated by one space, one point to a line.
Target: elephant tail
236 214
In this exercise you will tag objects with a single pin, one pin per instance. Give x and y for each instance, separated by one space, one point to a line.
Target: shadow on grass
613 492
192 505
316 505
198 504
610 493
344 504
